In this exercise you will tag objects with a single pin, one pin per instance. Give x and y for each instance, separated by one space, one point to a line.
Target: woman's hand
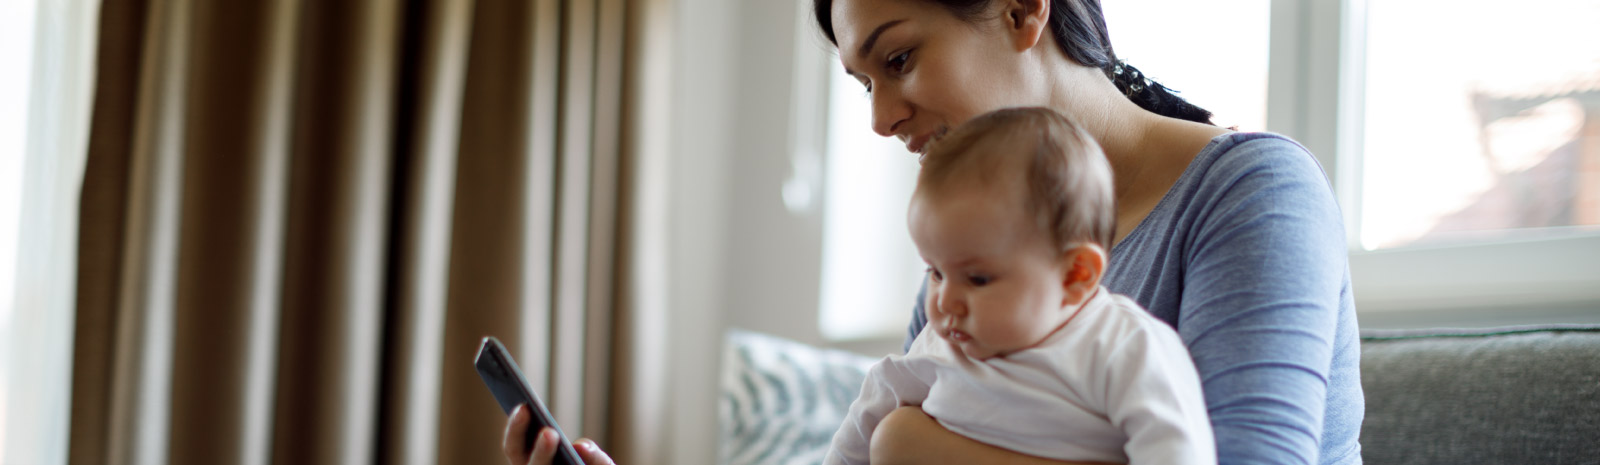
544 446
907 435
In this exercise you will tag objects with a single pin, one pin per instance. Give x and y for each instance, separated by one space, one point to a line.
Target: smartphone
510 388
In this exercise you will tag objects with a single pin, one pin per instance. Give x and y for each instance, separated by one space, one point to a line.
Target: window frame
1316 95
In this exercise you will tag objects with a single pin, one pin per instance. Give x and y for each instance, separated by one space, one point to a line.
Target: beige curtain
299 217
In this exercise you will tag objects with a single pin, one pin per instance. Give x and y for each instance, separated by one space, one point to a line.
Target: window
870 269
1213 53
1478 137
1466 160
48 50
16 46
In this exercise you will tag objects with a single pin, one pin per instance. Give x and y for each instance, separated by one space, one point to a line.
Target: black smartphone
510 388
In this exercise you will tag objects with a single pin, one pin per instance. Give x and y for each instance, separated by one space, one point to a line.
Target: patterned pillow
782 400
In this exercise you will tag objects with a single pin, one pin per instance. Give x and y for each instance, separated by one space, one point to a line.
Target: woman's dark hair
1079 27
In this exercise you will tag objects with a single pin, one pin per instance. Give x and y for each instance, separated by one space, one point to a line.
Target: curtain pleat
103 238
638 358
436 59
338 231
500 254
231 224
299 218
605 192
572 208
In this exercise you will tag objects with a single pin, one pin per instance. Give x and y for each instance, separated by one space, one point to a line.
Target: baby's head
1013 213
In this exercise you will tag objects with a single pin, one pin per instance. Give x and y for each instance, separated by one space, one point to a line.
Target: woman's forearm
909 436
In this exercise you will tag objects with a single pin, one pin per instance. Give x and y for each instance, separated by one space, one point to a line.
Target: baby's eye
934 275
978 280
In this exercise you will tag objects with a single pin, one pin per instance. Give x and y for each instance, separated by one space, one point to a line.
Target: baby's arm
893 382
1153 395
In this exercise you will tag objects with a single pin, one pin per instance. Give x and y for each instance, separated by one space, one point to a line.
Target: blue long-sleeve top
1245 256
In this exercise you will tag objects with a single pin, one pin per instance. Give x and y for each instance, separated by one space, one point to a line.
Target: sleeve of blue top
1265 267
919 317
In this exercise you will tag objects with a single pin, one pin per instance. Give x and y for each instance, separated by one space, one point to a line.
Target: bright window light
870 269
47 49
1214 53
1481 127
16 52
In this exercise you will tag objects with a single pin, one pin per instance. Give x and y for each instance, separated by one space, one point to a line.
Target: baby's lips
958 336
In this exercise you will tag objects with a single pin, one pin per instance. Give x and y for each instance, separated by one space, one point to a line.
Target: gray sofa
1503 395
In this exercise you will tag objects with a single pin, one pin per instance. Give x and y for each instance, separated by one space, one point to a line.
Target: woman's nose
889 111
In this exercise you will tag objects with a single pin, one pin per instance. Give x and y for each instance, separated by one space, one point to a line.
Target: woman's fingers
591 453
544 448
516 429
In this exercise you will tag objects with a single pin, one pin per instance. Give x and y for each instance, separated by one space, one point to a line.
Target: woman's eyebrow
872 39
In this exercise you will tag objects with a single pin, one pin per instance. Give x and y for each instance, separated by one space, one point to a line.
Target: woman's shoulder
1239 154
1261 180
1243 176
1245 165
1238 176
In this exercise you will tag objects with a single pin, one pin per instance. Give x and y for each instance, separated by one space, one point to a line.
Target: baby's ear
1082 265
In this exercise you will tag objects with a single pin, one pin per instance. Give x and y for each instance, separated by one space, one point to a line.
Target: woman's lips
918 144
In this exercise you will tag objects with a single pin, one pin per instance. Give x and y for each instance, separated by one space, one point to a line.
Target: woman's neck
1123 130
1147 152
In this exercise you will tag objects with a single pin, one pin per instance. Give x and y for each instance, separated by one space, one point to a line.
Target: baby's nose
951 305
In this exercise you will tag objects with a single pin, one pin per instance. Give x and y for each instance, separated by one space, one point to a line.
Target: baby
1023 349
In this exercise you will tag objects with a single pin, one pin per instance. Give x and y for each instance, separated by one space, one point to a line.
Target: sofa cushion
781 401
1504 395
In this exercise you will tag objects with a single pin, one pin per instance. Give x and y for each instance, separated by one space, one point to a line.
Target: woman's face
927 70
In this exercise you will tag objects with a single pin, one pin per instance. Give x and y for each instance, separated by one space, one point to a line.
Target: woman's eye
897 63
978 280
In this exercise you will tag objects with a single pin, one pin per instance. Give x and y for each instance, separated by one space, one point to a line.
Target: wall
774 253
737 256
697 189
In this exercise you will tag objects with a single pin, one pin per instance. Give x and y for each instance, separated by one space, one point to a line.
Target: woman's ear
1027 21
1081 267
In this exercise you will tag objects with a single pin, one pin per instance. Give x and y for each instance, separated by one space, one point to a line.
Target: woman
1233 238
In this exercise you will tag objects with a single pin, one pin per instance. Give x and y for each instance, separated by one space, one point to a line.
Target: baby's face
995 284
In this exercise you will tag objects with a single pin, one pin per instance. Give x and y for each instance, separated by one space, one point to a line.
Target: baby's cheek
1017 332
937 323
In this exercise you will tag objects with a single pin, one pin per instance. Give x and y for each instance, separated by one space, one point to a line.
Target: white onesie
1113 385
